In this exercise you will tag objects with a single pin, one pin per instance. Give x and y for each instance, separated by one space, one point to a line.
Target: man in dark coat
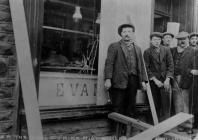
181 83
159 65
192 71
124 71
167 39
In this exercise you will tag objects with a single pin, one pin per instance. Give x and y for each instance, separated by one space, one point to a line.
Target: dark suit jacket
160 67
193 80
185 60
116 67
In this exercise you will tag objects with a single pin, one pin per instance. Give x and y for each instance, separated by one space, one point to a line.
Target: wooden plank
26 70
151 102
142 125
150 98
162 127
126 120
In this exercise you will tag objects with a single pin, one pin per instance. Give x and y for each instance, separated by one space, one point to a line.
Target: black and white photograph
98 69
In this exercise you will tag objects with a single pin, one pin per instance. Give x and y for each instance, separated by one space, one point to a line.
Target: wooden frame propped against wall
26 70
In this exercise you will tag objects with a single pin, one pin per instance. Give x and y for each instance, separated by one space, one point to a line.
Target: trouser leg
118 105
178 99
118 97
166 103
194 101
181 101
131 93
195 125
186 97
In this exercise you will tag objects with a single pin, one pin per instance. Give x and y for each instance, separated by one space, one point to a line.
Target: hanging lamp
77 14
98 19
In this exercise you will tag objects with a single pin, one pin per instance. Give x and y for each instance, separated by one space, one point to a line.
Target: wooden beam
162 127
142 125
26 70
150 98
152 105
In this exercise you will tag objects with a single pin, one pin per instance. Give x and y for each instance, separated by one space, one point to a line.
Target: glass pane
71 36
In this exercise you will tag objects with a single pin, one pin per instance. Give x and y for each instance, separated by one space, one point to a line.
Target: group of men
172 73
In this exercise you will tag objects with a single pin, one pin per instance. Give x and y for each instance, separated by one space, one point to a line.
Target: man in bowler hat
124 71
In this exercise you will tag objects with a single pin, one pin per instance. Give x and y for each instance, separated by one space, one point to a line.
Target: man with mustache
181 83
124 71
159 65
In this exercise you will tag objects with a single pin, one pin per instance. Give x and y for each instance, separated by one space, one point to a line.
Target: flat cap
156 34
124 26
167 33
193 34
182 35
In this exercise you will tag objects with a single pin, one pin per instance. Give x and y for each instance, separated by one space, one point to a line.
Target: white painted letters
66 89
74 91
84 90
60 89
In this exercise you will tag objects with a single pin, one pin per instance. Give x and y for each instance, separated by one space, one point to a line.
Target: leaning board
162 127
25 68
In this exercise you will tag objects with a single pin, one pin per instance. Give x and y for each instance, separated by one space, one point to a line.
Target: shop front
76 36
69 41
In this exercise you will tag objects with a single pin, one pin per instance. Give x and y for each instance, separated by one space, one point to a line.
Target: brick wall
8 75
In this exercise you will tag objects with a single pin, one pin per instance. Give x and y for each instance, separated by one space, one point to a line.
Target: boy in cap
181 83
159 65
124 71
167 38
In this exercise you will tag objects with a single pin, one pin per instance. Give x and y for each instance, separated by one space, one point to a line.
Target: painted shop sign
66 89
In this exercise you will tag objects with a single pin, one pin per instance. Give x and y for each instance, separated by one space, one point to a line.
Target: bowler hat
193 34
156 34
182 35
167 33
124 26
